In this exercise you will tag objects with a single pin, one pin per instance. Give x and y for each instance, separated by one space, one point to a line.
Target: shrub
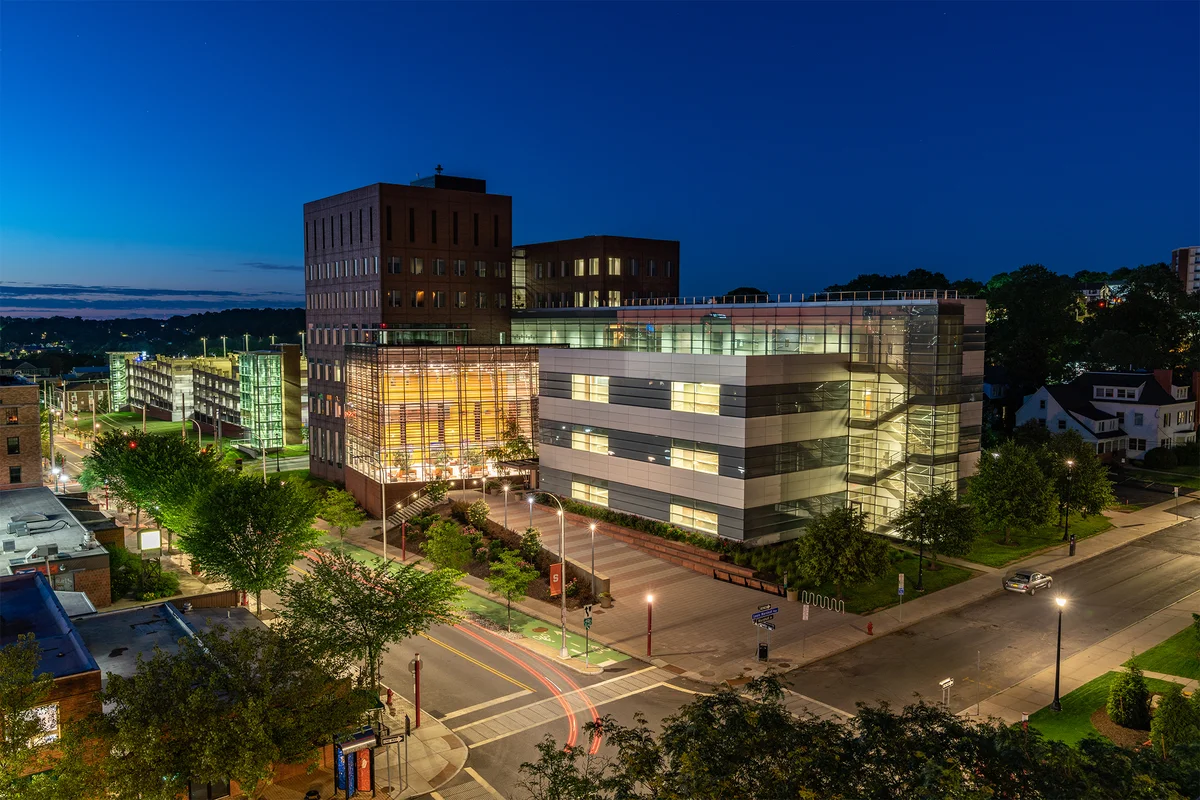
531 545
496 549
477 513
1188 455
448 547
1129 699
125 569
1161 458
650 526
437 490
572 587
1174 722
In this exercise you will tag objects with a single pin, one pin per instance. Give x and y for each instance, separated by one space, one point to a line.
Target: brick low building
21 454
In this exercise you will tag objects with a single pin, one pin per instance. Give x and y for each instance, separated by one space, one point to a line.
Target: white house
1118 411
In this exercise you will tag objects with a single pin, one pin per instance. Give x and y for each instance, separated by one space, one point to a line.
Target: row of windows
589 388
584 299
337 234
395 266
589 493
433 226
358 298
345 268
583 267
437 299
693 398
691 517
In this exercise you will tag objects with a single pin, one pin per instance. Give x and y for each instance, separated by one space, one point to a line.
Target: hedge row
663 530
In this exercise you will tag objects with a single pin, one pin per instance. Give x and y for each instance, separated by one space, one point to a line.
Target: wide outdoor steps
411 510
683 554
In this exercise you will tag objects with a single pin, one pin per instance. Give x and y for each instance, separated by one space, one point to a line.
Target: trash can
762 651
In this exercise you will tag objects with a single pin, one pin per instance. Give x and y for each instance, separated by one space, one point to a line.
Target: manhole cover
785 665
539 630
708 673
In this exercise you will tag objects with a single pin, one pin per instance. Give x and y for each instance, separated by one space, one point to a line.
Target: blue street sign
765 613
900 591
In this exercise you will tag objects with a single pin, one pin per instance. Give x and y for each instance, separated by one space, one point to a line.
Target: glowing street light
1057 704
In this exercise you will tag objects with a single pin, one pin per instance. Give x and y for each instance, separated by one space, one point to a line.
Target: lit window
694 518
418 266
594 298
614 297
591 442
587 493
592 388
593 266
696 398
481 299
460 299
614 266
689 455
579 300
579 268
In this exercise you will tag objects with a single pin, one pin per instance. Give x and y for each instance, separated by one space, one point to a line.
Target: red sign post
555 579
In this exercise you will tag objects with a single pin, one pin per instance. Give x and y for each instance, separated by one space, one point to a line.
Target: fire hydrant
390 693
870 629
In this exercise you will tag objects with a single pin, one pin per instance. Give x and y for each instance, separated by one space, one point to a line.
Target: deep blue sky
171 145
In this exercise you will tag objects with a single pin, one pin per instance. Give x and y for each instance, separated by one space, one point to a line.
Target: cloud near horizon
102 302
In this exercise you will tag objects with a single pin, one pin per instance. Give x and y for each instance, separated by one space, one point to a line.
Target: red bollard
870 629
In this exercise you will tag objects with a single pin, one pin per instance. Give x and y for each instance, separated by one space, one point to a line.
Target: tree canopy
837 548
339 508
1009 490
939 521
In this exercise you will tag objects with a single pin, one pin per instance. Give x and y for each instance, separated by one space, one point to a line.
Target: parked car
1027 581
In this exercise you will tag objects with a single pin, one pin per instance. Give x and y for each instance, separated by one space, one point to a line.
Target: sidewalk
1108 655
435 754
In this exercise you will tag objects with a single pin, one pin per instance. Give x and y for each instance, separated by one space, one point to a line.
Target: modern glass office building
118 377
746 419
419 413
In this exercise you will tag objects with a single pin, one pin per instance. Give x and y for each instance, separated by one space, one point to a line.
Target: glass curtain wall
260 378
420 413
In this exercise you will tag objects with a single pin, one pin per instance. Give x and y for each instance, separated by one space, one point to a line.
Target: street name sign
764 607
587 623
764 613
770 626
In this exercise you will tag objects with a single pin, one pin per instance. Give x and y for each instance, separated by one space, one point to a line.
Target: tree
1174 722
22 688
250 532
477 513
1033 328
531 546
510 578
447 546
225 706
341 510
1032 435
344 606
1129 699
940 522
1080 481
836 547
436 490
1156 314
1009 490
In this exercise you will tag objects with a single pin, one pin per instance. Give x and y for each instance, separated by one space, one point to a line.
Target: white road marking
479 779
478 706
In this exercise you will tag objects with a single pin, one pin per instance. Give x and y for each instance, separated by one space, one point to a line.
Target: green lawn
881 594
1188 477
1179 655
291 450
1074 721
132 421
989 550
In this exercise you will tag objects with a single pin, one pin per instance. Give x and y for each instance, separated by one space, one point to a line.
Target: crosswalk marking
480 706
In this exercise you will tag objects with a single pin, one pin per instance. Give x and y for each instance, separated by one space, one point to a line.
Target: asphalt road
1013 635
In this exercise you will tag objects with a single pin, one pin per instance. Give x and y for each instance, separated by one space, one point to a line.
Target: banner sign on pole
555 579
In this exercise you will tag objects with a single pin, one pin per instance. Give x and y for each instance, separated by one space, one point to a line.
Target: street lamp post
224 349
1057 704
593 527
1067 510
506 506
530 498
562 561
649 623
204 346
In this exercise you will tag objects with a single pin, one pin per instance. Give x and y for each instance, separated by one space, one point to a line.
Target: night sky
170 146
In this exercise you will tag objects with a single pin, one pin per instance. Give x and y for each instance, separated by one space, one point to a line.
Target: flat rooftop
60 529
29 606
117 638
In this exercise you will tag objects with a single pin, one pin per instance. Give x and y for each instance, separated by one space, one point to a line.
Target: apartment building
598 271
1185 262
389 264
746 420
20 412
1122 413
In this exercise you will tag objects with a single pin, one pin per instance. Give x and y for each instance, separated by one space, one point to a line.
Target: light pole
562 561
224 349
649 623
246 341
593 527
1067 510
302 353
530 498
1057 704
204 346
57 471
506 506
383 505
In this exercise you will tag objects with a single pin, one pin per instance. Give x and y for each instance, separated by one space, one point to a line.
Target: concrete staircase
418 506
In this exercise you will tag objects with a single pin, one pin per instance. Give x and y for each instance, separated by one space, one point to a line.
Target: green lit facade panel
260 378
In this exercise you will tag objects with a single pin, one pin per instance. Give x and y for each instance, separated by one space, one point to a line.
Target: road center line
479 706
478 663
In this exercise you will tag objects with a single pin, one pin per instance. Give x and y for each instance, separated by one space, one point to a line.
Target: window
1138 418
579 268
501 300
691 517
388 222
418 298
207 791
460 268
578 300
476 224
670 268
652 268
1042 404
696 398
1137 444
633 266
587 493
481 299
14 474
454 231
537 270
418 266
593 266
614 265
433 226
460 299
591 442
1062 425
501 269
594 298
10 416
591 388
693 456
495 230
412 224
395 298
439 299
614 297
480 269
439 266
1120 417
